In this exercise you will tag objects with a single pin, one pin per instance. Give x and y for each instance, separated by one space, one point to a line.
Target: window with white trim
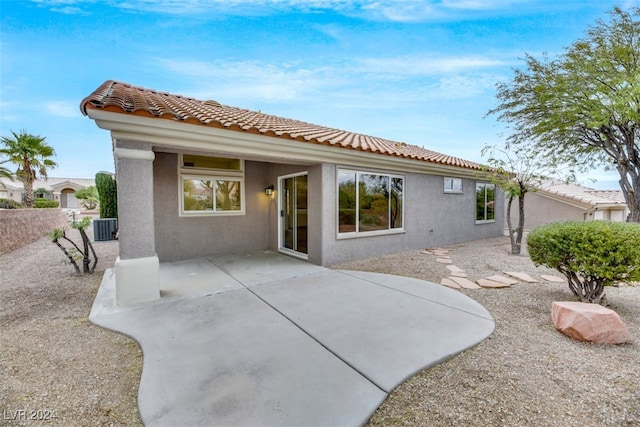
211 186
452 185
369 202
485 203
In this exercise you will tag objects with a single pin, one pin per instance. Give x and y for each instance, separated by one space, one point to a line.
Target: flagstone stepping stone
550 278
486 283
440 253
450 283
502 279
521 276
459 274
426 252
444 261
465 283
455 269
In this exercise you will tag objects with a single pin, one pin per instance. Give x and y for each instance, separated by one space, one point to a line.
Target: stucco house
62 190
196 178
555 200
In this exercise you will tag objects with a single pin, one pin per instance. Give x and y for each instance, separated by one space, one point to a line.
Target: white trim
279 192
183 136
128 153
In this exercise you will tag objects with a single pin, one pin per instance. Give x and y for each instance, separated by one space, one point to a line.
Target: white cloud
424 65
64 109
361 84
391 10
67 7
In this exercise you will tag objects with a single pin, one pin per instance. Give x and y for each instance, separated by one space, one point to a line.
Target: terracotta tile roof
124 98
585 195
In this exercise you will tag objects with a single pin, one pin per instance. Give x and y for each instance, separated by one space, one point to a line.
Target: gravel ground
58 369
525 374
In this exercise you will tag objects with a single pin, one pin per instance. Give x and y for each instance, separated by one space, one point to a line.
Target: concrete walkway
269 340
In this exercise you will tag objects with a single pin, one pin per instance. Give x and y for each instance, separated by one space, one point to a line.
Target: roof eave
186 136
578 202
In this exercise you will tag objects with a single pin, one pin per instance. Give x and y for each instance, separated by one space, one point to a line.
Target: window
452 185
211 186
369 203
485 202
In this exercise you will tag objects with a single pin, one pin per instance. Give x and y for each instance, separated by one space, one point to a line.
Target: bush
45 203
108 195
591 255
10 204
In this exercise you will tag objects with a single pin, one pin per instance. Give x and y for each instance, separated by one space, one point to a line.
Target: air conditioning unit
105 229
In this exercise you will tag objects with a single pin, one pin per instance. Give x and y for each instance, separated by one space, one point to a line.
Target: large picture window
485 202
369 202
211 186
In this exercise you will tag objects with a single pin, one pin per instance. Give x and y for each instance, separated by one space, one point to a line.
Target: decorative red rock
589 322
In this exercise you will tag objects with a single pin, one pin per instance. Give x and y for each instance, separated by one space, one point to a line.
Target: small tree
516 173
591 255
581 108
108 195
74 252
89 197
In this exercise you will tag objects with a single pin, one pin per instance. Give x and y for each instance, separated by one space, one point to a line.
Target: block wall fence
19 227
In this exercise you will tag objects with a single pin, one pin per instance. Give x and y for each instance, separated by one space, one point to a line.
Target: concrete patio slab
262 267
277 341
194 278
386 334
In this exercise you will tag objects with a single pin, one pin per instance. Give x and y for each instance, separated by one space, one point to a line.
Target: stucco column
137 266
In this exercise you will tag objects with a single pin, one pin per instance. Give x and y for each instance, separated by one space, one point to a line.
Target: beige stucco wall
540 210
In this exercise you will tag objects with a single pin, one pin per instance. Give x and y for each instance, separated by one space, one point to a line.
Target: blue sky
418 71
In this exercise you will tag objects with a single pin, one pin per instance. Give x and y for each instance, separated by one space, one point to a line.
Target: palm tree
32 156
4 172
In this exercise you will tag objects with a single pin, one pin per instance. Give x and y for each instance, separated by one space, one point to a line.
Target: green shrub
10 204
108 195
591 255
45 203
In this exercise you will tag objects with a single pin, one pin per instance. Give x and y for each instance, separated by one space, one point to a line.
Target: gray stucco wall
135 207
432 218
193 237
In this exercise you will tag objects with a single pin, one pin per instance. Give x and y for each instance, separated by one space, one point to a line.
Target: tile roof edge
297 131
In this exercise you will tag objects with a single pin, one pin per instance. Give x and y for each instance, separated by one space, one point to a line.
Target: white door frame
281 219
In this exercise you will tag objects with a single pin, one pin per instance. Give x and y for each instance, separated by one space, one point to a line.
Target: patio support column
137 266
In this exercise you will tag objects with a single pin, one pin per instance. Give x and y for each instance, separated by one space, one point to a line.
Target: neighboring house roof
51 184
124 98
582 196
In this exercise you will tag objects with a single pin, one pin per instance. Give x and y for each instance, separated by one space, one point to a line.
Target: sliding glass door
293 214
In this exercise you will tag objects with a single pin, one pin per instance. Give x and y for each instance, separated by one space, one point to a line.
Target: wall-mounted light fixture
269 190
